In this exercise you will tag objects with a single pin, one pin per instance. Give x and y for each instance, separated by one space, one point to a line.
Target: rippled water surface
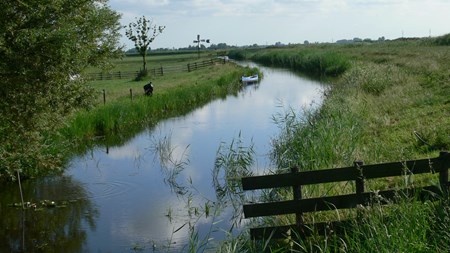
155 193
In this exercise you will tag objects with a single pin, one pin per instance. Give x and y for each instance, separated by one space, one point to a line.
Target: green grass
387 95
175 94
319 63
121 116
154 60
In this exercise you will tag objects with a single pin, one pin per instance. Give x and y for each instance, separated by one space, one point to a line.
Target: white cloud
238 22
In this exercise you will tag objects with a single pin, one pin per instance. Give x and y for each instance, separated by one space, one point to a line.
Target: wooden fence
159 71
358 174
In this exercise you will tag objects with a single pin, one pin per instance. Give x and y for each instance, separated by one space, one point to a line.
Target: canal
158 192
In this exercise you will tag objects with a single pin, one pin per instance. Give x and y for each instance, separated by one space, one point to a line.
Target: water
155 193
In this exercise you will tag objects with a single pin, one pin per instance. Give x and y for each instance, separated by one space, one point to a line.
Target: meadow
388 102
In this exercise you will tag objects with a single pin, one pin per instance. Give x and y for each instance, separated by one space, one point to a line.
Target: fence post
444 156
359 185
297 191
189 67
104 97
131 94
162 72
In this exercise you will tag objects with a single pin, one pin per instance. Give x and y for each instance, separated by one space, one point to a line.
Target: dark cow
148 89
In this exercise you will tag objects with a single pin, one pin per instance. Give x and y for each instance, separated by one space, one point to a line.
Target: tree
43 44
142 33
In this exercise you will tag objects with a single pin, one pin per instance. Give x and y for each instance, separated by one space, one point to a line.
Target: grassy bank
390 103
122 114
125 114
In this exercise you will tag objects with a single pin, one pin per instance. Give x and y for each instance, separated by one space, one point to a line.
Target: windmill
198 44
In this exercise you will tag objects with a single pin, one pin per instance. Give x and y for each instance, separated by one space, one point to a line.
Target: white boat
250 79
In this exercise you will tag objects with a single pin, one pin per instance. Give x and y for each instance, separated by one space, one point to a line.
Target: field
387 102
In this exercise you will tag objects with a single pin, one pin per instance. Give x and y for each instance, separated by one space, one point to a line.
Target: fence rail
158 71
357 173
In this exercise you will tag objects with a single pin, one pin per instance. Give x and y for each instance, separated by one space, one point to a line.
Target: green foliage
373 78
231 164
141 75
406 227
443 40
312 62
43 48
238 55
371 112
316 139
122 118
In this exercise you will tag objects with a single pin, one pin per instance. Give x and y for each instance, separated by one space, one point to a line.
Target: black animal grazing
148 89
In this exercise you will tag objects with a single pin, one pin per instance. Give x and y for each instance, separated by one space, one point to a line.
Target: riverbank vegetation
128 111
108 111
388 101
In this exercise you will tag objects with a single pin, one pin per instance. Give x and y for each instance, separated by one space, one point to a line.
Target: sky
266 22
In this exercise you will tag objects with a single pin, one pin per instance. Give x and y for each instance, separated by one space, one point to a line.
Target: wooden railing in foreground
357 173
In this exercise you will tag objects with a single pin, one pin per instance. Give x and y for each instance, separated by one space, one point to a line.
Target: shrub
443 40
141 75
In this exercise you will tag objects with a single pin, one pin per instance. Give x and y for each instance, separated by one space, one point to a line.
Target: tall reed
312 62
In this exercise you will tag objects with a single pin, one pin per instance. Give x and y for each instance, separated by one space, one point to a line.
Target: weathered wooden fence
358 173
158 71
112 75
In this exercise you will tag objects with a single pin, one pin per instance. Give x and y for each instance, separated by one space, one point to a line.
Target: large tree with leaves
42 44
142 33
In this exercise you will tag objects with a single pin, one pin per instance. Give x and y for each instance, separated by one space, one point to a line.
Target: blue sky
247 22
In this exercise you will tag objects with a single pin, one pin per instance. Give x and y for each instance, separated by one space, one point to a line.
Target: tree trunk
144 61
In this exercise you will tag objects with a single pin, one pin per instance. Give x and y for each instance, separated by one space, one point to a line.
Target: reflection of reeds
232 162
171 166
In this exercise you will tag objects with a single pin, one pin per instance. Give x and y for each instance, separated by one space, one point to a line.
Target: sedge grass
390 93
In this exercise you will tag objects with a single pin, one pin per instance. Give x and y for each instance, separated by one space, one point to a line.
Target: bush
141 75
443 40
238 55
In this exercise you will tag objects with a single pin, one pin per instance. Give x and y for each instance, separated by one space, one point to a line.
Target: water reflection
162 190
46 228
